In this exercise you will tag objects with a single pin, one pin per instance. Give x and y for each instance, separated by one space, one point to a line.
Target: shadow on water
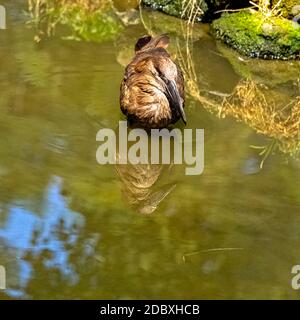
69 227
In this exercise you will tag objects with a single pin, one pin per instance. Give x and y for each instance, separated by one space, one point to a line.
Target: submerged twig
208 251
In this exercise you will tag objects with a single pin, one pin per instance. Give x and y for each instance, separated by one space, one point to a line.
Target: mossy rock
173 7
208 7
254 35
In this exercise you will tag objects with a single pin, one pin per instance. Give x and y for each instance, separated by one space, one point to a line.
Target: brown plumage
152 92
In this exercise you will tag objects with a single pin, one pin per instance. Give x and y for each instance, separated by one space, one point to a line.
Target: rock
286 7
129 17
254 35
295 10
296 21
173 7
208 7
267 29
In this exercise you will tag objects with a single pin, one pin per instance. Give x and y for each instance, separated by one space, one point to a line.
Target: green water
70 228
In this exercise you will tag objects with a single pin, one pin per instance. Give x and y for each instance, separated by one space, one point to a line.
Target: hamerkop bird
152 92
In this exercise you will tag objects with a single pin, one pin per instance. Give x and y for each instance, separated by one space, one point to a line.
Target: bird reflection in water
145 186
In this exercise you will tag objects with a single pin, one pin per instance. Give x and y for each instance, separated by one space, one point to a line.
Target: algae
255 35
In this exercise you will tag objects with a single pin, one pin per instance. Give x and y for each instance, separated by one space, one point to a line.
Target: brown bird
152 92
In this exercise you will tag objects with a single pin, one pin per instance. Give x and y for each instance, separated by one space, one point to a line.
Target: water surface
70 228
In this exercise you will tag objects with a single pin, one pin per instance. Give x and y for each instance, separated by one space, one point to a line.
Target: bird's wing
180 83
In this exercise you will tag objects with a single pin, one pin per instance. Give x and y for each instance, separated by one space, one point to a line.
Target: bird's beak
175 99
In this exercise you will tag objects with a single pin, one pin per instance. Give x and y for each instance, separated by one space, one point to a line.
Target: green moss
173 8
97 23
254 35
91 26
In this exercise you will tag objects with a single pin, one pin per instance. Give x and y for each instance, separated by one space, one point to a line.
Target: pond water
70 228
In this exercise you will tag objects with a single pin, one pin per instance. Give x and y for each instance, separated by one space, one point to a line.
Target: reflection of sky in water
251 166
30 232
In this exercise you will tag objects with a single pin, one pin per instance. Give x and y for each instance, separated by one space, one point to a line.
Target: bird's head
147 43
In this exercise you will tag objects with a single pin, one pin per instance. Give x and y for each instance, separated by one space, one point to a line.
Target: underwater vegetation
83 19
272 73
